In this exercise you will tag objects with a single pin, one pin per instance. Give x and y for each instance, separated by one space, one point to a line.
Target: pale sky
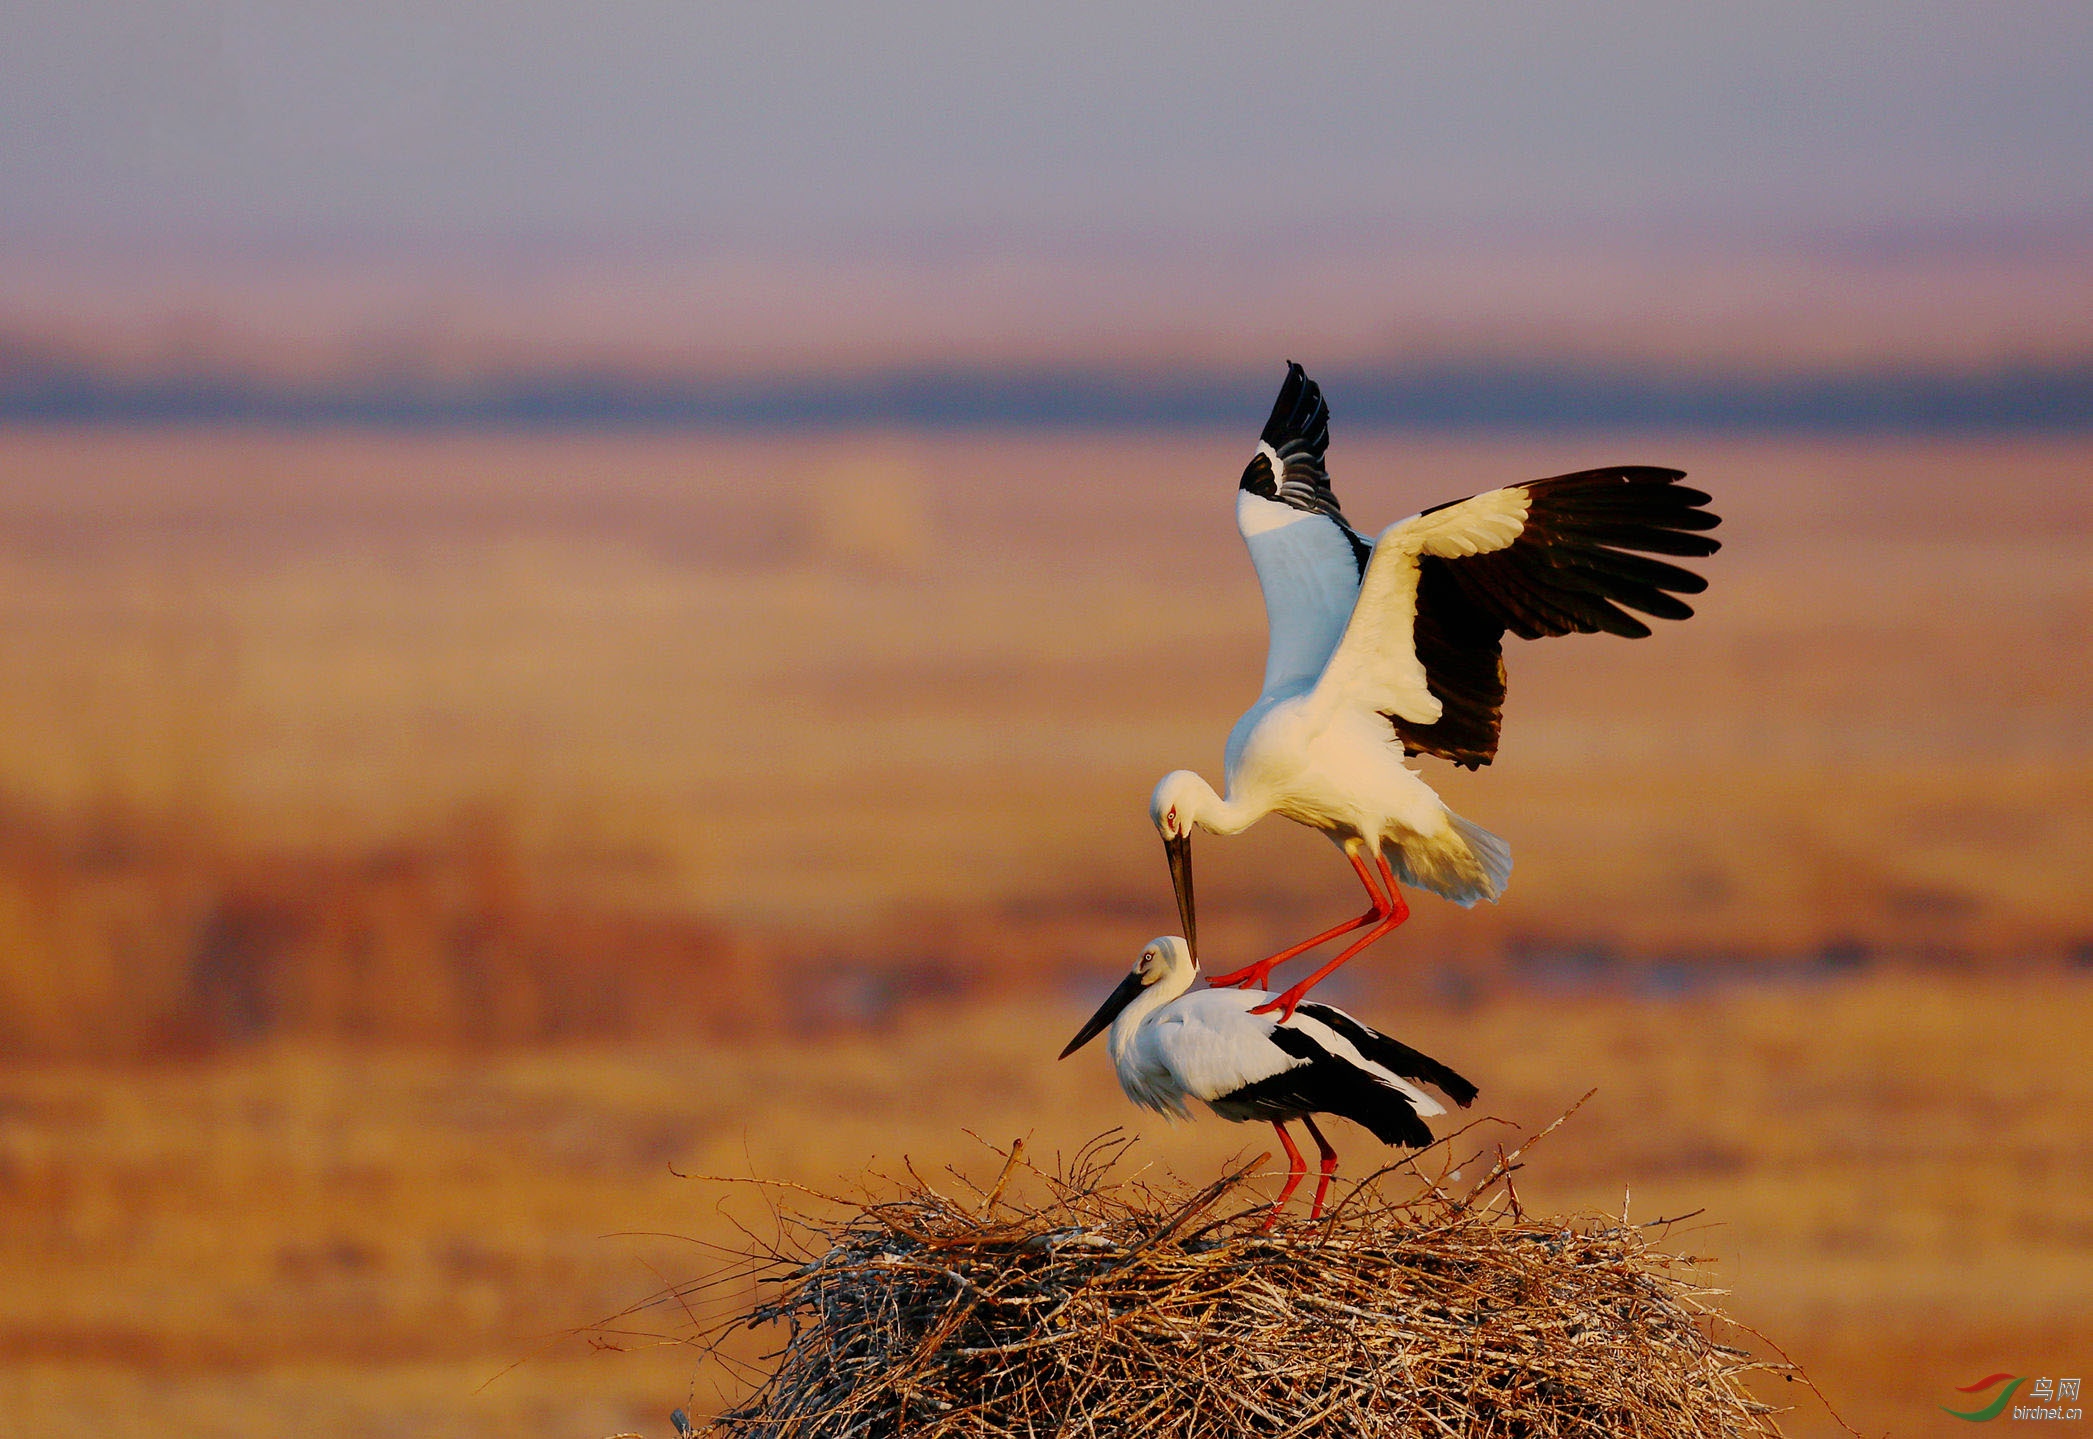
633 121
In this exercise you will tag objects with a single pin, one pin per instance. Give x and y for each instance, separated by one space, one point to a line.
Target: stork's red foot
1286 1003
1250 976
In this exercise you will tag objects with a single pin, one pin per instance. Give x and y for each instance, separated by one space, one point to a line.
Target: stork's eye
1171 820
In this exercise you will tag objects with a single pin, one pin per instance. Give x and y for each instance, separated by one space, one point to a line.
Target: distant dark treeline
2007 400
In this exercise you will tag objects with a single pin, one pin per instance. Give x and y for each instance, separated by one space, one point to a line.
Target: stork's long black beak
1119 999
1179 851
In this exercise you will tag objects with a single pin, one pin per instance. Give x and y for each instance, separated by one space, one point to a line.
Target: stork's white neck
1216 815
1175 981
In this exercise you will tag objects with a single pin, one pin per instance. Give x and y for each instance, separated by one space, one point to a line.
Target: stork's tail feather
1465 864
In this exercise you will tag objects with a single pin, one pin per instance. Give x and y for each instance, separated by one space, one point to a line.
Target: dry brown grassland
411 847
1891 1172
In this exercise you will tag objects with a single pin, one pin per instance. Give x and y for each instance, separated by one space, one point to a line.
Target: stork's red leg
1256 976
1289 1001
1315 1210
1296 1171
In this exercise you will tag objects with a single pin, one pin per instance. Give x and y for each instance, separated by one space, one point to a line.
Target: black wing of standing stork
1403 636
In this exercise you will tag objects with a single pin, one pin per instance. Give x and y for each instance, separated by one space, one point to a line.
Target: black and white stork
1171 1043
1385 649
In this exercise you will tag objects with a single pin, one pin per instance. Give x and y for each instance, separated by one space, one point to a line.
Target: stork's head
1176 804
1180 798
1166 968
1168 957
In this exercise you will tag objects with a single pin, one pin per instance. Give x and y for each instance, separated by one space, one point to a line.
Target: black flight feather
1582 556
1395 1056
1325 1084
1298 430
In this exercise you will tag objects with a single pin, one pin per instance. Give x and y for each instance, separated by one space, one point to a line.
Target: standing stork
1171 1044
1398 641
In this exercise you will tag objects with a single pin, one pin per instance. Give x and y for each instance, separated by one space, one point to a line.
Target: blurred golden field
1892 1172
413 846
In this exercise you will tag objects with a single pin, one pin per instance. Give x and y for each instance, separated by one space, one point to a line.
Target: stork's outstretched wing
1309 561
1424 644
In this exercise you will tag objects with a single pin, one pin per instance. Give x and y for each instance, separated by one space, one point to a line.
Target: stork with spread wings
1385 649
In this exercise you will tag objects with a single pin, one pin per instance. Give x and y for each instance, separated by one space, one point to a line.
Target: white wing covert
1569 555
1213 1045
1375 665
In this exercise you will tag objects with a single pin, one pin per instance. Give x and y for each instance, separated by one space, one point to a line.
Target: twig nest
1073 1304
